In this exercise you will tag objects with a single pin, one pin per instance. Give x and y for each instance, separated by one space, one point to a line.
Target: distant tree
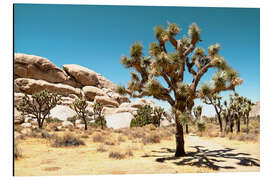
158 116
197 111
215 101
171 67
246 108
39 105
79 106
98 116
143 117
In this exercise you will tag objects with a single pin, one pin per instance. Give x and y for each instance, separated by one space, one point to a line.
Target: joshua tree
39 105
157 118
98 117
215 101
246 108
79 106
197 111
171 67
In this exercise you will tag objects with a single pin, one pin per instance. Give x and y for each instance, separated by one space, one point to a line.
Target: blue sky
97 36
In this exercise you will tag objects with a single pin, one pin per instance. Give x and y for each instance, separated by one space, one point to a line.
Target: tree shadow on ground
203 157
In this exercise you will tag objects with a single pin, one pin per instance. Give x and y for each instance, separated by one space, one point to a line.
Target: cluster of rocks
33 74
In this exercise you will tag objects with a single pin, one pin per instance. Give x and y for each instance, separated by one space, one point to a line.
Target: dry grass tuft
97 137
17 151
116 155
101 148
67 140
151 139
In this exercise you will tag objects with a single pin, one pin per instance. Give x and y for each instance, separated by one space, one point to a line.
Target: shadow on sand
203 157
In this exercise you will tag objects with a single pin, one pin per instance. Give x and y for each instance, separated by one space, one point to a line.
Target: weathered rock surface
17 98
118 120
18 117
90 92
105 83
35 67
67 124
31 86
106 101
255 110
81 74
62 112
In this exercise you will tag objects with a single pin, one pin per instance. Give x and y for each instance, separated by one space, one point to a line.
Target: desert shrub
246 137
116 155
46 135
73 119
52 120
124 131
143 117
66 140
101 148
137 133
121 139
17 151
201 126
98 138
129 152
151 138
84 136
109 142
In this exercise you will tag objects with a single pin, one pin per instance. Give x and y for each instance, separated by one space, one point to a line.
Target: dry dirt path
203 155
218 154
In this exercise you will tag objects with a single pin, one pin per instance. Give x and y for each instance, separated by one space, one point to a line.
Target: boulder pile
33 74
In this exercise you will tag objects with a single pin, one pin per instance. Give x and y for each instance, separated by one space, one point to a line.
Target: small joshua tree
197 111
39 105
215 101
246 108
157 118
171 67
98 117
79 106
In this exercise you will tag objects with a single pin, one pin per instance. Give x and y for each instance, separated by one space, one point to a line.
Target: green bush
143 117
51 120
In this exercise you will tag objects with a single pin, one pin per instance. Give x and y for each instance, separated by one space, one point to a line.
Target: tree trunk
247 121
231 125
179 138
187 128
238 125
219 119
85 123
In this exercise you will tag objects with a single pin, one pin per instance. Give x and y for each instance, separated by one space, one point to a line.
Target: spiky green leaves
199 52
154 49
134 76
214 49
205 90
182 89
121 90
152 86
219 62
219 79
173 29
183 119
161 34
185 41
136 50
126 62
194 33
174 58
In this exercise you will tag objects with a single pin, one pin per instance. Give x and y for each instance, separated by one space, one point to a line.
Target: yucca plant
171 67
98 116
79 106
39 105
157 117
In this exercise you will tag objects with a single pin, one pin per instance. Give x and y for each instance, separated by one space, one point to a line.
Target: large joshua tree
172 67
